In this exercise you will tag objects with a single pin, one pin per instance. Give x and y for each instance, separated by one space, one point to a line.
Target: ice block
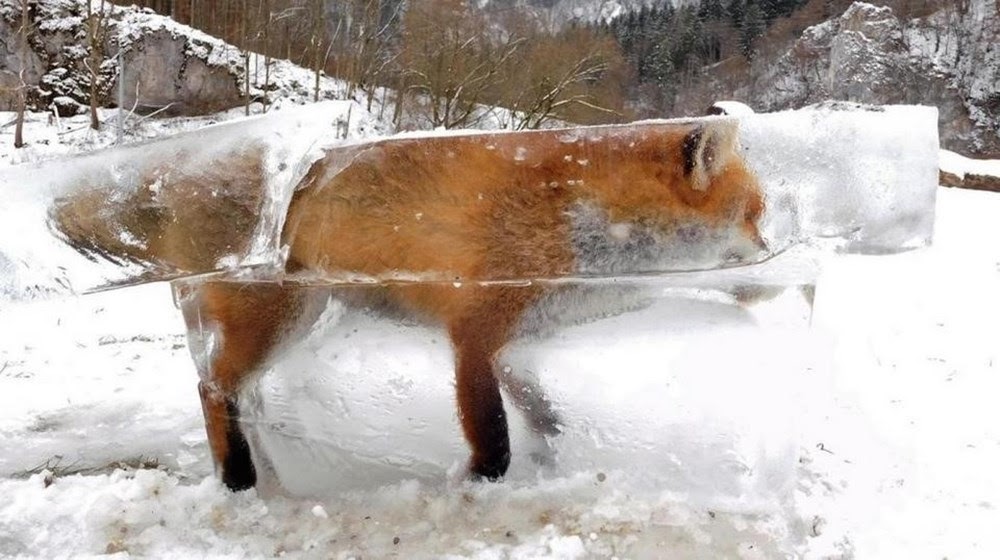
603 282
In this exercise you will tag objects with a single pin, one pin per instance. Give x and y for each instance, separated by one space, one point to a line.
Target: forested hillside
438 63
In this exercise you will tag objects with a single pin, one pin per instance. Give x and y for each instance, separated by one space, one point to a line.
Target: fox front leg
480 409
229 446
233 329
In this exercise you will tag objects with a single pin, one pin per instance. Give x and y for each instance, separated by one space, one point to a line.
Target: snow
960 166
896 455
920 368
734 108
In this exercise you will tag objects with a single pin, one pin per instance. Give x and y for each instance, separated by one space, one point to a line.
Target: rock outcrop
165 70
167 66
949 59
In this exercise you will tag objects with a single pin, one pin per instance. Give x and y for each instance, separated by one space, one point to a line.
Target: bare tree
320 46
267 49
445 59
96 30
245 34
450 62
22 89
363 43
573 75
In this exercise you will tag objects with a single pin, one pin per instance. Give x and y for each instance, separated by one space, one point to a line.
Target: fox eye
689 150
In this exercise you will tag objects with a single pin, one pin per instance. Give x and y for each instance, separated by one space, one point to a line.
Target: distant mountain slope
949 58
564 11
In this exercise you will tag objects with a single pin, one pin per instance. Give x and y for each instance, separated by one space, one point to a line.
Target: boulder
164 72
167 66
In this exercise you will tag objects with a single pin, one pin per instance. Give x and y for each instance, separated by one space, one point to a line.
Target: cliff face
166 65
949 59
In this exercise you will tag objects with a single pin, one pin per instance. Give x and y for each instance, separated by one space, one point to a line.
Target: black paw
491 470
238 472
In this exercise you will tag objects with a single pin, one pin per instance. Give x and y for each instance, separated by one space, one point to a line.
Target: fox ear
706 150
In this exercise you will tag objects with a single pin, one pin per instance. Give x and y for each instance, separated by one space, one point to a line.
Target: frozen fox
474 210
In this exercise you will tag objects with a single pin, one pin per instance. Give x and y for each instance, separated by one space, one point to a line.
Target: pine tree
712 10
754 25
736 9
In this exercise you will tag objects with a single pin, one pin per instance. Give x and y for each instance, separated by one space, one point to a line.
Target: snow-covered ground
102 449
960 166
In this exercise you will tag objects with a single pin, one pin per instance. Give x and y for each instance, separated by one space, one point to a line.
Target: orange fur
464 208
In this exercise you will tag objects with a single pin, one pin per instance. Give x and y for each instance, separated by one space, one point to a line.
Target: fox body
464 214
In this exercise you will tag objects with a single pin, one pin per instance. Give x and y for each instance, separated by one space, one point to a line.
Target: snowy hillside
147 62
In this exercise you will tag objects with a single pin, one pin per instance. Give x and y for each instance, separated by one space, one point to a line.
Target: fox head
677 201
719 181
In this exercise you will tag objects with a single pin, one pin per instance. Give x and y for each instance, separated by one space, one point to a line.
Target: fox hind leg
530 399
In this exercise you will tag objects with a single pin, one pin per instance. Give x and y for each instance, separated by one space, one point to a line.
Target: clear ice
658 355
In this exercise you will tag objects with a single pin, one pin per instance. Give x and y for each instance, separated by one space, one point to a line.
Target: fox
462 226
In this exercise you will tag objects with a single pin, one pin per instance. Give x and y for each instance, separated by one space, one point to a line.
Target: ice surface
864 176
367 393
632 370
118 200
